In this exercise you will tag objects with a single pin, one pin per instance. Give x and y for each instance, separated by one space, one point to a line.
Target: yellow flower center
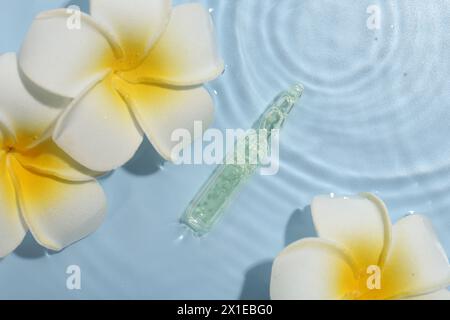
130 56
130 61
378 283
366 287
22 165
128 70
9 149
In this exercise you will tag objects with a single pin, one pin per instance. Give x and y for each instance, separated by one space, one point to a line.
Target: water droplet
410 213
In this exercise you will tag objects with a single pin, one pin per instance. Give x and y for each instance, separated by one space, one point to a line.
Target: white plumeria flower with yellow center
359 255
133 67
41 188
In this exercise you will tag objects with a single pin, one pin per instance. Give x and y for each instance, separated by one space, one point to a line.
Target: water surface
375 117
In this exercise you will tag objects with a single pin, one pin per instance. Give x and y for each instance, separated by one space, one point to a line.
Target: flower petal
312 269
58 213
186 54
65 60
417 263
98 130
48 159
23 115
361 224
12 228
438 295
160 111
135 24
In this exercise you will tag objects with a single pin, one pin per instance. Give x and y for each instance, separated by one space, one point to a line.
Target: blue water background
375 117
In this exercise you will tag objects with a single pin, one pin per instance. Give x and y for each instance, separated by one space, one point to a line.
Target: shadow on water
300 226
257 279
29 248
82 4
257 282
106 175
146 161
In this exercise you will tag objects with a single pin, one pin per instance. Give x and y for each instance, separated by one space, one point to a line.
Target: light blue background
375 117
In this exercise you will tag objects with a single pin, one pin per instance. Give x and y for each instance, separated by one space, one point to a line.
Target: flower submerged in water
359 255
41 188
132 67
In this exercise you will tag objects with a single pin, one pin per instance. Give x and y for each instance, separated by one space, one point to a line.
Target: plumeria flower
359 255
133 67
41 188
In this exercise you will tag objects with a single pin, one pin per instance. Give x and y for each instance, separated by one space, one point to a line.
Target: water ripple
374 115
